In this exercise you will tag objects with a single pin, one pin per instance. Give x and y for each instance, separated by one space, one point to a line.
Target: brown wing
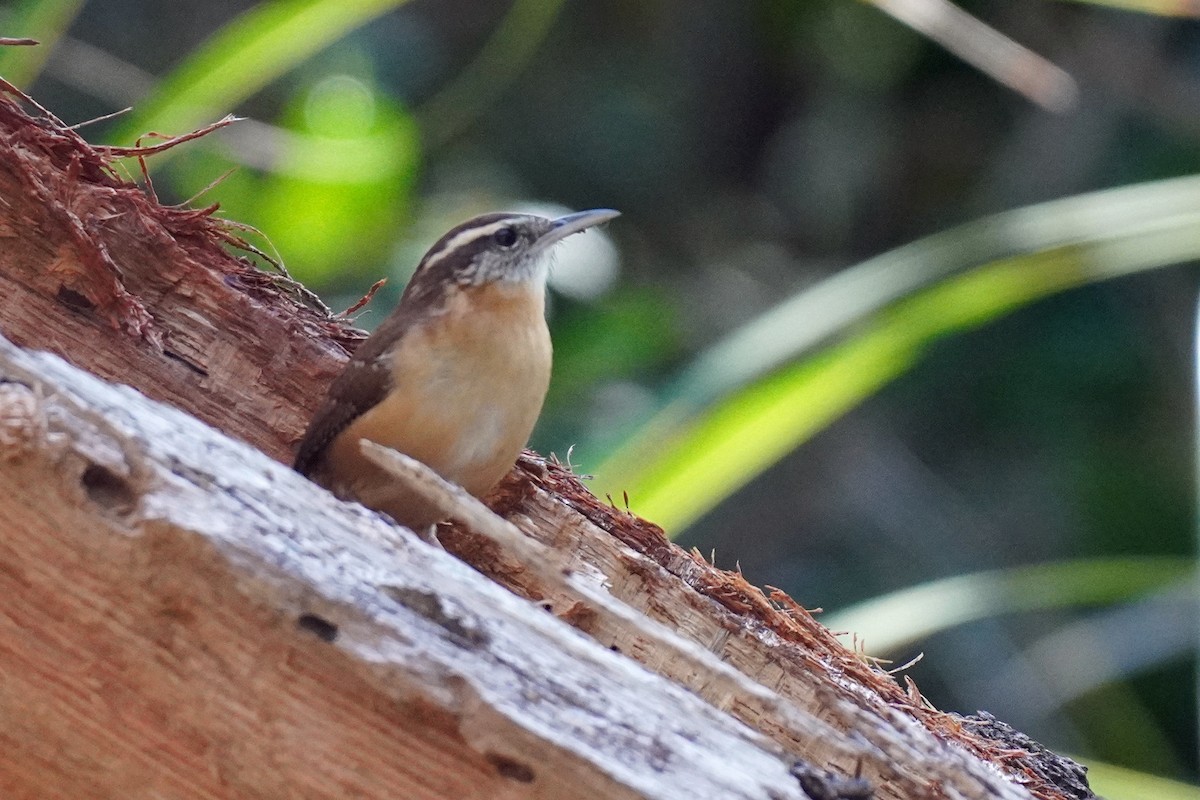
359 388
367 378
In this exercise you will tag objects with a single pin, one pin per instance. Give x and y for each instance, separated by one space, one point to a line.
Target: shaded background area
755 149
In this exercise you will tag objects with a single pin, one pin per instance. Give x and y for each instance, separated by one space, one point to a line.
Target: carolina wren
455 376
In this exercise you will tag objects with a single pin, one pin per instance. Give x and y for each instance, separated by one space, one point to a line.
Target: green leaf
345 163
44 20
245 55
764 390
1118 783
894 621
1162 8
506 53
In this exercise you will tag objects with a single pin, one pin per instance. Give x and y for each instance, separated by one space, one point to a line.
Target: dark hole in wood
510 768
108 490
320 627
821 785
196 368
74 300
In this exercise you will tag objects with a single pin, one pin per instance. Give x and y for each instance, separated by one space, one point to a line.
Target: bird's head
501 248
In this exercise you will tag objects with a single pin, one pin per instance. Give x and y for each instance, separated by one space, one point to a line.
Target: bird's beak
574 223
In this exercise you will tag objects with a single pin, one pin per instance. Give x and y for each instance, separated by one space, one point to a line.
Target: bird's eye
505 237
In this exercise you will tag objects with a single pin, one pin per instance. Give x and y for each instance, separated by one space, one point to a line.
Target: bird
455 376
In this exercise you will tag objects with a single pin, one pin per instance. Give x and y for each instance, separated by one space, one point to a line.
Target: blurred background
908 337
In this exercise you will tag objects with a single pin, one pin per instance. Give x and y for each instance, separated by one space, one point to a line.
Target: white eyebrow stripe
463 238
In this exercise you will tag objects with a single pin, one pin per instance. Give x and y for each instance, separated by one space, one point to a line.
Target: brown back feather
366 380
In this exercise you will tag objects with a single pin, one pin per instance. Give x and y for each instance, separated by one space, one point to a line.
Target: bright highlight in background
584 267
340 105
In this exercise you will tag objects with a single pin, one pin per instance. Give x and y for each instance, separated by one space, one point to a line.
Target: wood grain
164 592
186 618
94 270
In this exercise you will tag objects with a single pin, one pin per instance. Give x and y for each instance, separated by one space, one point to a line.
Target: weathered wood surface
802 688
186 617
92 269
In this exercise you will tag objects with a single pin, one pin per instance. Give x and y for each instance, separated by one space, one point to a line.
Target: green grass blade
245 55
894 621
44 20
1118 783
749 400
506 53
1162 8
270 39
857 293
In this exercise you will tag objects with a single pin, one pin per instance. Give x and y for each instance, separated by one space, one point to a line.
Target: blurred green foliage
344 164
1108 780
726 426
246 54
39 19
891 622
632 331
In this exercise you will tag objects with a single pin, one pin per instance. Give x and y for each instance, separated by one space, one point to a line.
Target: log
94 269
185 616
191 612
